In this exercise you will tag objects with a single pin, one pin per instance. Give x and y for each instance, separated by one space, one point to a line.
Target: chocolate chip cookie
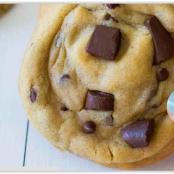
95 80
4 8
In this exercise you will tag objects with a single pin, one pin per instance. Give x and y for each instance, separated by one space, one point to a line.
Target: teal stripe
170 103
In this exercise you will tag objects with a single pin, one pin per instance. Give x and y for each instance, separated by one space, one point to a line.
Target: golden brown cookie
4 8
95 80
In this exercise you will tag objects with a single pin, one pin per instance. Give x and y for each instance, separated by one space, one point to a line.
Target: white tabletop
22 145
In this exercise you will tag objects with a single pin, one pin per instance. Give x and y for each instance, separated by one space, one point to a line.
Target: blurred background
20 143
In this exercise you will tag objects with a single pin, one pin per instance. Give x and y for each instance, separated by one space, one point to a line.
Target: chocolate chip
152 95
105 42
89 127
107 17
64 77
155 106
115 20
138 134
162 74
112 6
64 108
33 95
109 121
163 42
58 41
97 100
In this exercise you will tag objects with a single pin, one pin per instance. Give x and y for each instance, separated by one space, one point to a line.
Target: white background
21 145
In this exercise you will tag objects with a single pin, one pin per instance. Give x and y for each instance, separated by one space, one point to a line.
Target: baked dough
4 8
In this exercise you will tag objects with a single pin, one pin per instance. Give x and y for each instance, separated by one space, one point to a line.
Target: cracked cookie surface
58 74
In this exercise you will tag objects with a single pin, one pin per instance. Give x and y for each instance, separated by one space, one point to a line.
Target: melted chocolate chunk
105 42
33 95
65 77
97 100
163 42
138 134
107 17
152 94
64 108
112 6
58 41
89 127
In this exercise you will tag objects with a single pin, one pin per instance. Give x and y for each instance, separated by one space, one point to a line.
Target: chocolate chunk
58 41
152 94
97 100
115 20
163 42
138 134
112 6
33 95
64 77
109 121
155 106
107 17
89 127
162 74
105 42
64 108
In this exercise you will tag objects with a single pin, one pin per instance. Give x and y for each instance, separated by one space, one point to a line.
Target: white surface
15 31
16 28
